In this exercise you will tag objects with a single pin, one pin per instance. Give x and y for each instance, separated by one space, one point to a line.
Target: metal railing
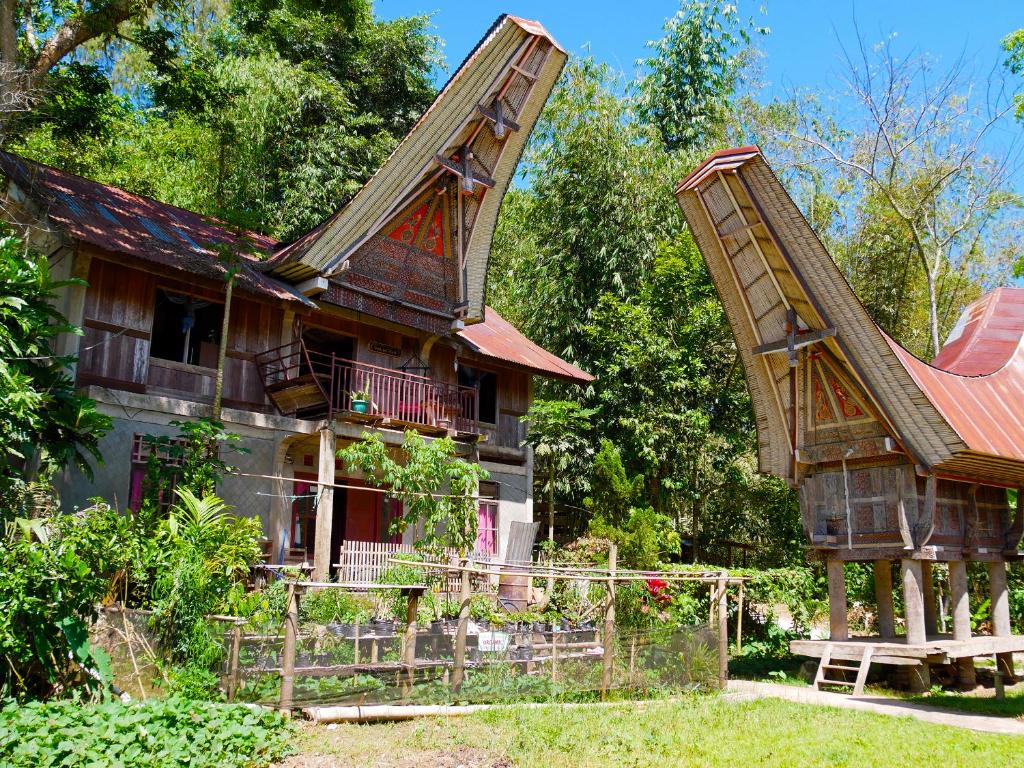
396 395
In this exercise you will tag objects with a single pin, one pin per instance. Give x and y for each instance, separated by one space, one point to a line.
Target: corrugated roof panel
497 338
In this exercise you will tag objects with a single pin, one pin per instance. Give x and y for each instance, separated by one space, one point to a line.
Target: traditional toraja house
896 460
386 299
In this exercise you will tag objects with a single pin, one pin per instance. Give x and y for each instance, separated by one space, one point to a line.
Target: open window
186 329
486 383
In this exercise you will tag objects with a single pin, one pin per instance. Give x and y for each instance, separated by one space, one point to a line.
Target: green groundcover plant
172 731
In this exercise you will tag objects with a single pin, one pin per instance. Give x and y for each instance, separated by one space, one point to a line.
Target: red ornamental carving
406 231
847 403
822 411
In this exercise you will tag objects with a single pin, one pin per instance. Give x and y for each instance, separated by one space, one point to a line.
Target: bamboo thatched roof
783 293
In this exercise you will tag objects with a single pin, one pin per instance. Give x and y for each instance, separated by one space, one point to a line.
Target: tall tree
694 71
921 145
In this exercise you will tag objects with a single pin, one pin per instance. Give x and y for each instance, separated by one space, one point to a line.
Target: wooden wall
118 324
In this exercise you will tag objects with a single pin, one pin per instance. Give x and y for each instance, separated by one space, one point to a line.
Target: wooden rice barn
897 461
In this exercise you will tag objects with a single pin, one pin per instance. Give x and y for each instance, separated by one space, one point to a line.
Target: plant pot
437 627
566 625
538 626
474 654
361 406
304 660
324 660
339 629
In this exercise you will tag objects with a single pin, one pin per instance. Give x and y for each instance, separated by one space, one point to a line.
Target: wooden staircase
837 675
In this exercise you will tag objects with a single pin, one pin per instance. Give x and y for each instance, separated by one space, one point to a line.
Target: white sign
493 642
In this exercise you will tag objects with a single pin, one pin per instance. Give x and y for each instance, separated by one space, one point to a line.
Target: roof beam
462 167
789 345
496 114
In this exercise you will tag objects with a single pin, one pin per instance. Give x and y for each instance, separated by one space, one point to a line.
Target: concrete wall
272 450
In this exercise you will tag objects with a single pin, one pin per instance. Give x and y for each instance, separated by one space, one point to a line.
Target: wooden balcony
312 385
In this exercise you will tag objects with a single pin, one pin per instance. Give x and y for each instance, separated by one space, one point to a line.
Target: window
487 520
486 384
186 329
141 451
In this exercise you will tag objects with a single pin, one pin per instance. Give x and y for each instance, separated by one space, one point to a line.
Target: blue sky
802 50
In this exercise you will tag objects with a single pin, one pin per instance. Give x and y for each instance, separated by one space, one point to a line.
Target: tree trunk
218 385
8 32
933 312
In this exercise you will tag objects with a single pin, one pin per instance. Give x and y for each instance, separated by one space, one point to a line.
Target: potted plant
361 399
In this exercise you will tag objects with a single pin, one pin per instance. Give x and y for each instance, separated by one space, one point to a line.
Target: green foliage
150 734
207 557
268 114
327 606
194 460
55 571
1013 44
436 487
44 425
645 538
694 72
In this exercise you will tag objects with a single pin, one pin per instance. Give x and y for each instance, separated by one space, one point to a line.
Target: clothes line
369 488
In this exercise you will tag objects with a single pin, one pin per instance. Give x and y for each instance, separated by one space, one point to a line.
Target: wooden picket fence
363 562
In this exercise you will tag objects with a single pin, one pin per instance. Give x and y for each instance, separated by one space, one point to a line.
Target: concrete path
748 689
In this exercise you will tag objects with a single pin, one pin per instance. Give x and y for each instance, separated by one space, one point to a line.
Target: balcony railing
302 382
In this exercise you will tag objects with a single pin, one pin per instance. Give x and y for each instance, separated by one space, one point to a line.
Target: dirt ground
357 746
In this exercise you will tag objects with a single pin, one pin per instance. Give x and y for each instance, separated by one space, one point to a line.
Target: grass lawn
982 703
705 731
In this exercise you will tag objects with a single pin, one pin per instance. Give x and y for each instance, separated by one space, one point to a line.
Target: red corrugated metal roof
497 338
986 336
981 391
123 222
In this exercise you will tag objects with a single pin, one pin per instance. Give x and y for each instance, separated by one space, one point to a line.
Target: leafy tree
694 70
44 425
269 115
558 433
436 487
599 202
1014 47
918 145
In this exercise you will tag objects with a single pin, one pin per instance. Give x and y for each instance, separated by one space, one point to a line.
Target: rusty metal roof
977 380
498 339
123 222
986 336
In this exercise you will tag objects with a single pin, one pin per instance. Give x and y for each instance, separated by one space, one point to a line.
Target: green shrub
157 733
326 606
55 570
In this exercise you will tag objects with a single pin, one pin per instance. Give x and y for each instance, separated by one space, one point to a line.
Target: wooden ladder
839 677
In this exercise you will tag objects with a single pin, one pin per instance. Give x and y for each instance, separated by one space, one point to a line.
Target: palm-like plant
195 519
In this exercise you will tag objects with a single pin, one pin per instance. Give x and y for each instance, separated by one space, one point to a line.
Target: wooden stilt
913 601
325 503
837 621
1000 598
961 607
883 597
931 623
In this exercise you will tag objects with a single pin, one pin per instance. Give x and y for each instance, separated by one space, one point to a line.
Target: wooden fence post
739 622
459 669
291 632
236 642
723 634
609 625
409 650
